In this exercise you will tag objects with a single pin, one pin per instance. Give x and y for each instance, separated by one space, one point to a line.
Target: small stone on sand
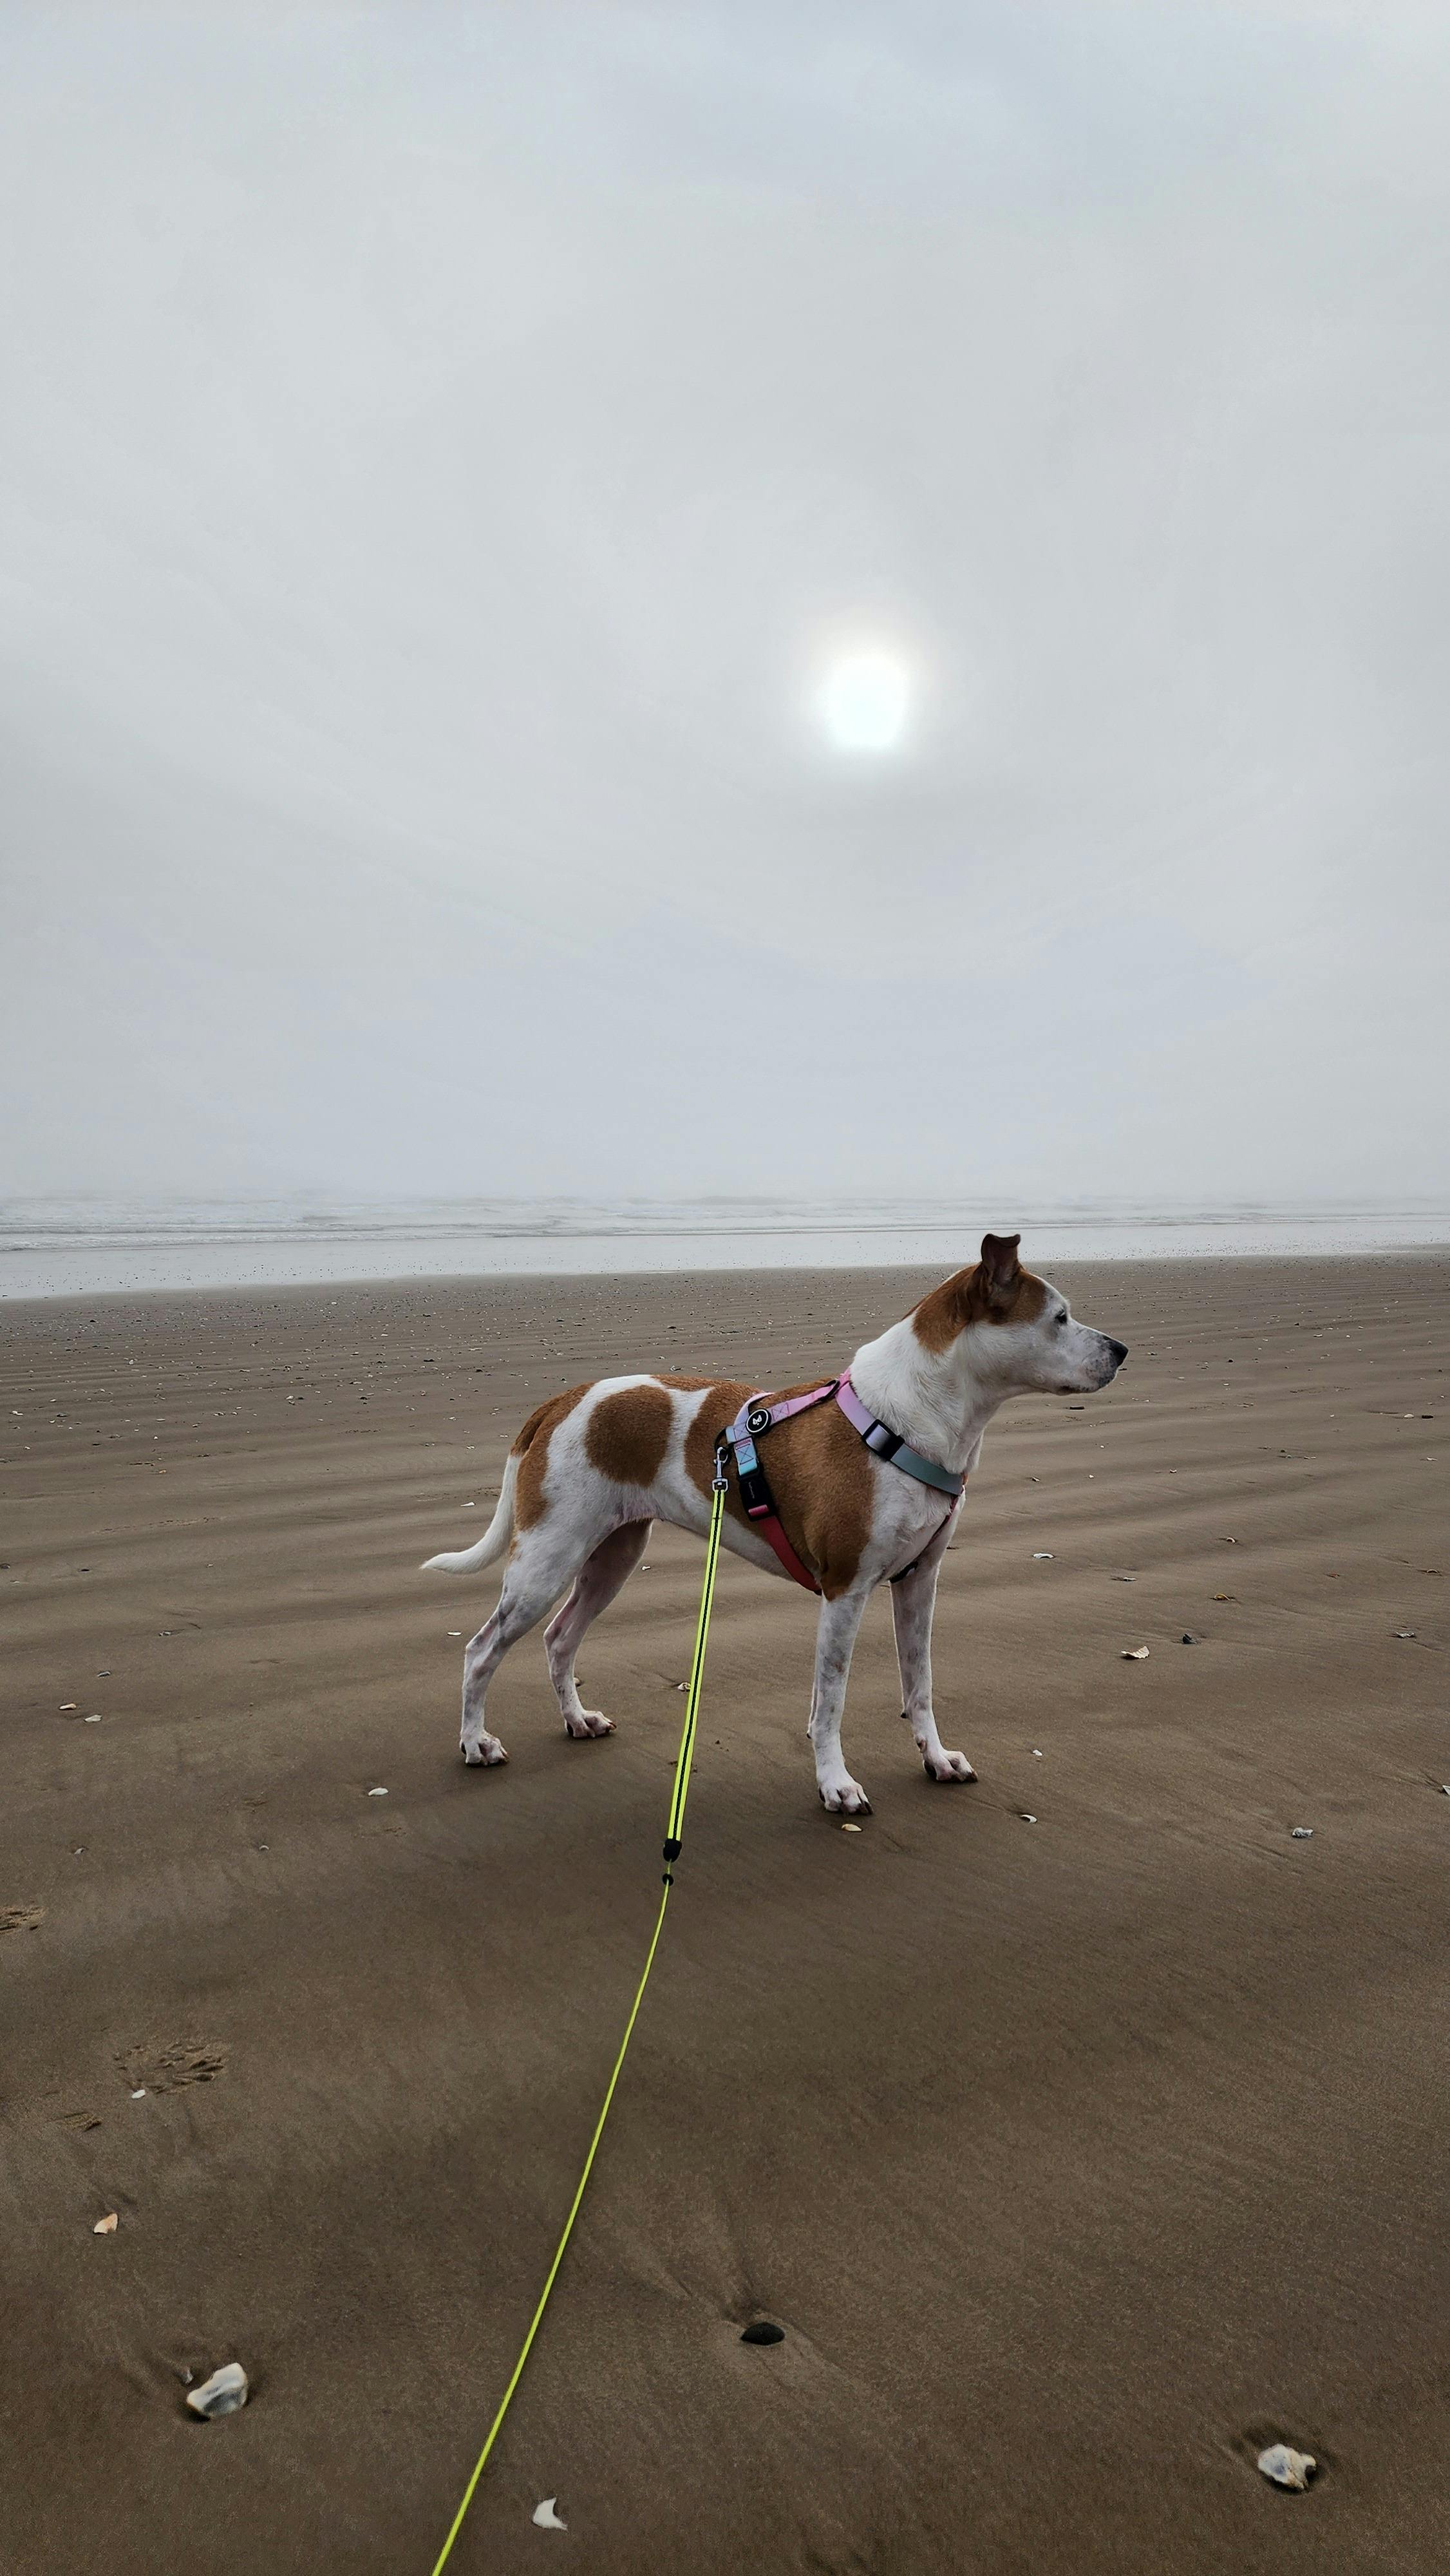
764 2330
222 2394
1286 2468
106 2226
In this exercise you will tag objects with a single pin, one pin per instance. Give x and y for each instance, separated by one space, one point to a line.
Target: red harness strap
771 1527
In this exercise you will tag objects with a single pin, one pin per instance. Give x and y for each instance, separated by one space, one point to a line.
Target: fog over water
656 603
55 1248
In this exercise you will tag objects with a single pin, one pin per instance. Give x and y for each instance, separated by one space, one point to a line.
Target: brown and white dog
590 1470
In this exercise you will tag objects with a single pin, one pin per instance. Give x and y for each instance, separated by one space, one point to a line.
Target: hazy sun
865 699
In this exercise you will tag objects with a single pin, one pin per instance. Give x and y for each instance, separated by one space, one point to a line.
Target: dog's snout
1119 1351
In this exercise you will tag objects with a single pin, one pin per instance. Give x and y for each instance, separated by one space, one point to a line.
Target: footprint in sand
151 2067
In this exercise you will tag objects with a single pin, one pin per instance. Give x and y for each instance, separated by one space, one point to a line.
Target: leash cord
673 1839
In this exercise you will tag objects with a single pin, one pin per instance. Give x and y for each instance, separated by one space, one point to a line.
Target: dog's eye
1060 1320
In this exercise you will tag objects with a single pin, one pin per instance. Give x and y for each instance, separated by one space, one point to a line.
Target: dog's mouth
1088 1385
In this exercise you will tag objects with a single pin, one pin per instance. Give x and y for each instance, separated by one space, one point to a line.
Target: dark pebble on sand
763 2332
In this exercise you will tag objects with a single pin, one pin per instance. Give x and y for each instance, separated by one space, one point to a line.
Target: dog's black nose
1119 1351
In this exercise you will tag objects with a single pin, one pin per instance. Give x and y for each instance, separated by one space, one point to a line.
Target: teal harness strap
885 1443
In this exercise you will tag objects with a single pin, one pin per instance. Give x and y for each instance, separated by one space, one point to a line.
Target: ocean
96 1247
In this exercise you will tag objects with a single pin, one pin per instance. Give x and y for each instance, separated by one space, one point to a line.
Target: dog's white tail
495 1538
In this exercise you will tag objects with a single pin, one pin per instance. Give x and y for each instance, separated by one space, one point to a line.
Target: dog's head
1021 1336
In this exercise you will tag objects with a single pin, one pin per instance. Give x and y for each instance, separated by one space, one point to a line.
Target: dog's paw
947 1766
846 1798
590 1721
486 1753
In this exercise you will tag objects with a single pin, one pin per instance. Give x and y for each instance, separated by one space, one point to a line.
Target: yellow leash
673 1837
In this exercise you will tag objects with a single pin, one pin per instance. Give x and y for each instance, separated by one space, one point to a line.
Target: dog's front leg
913 1602
835 1637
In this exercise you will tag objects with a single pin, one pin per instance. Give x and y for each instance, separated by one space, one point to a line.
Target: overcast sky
445 452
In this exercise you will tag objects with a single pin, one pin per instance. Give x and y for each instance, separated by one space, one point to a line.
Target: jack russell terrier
865 1475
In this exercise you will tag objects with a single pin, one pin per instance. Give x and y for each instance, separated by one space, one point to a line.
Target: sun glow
864 701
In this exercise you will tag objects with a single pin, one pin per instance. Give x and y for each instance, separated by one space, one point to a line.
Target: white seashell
222 2394
1042 1556
377 1793
1286 2468
546 2517
106 2226
1135 1654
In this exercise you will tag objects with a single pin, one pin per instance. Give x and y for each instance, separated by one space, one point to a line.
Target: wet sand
1077 2158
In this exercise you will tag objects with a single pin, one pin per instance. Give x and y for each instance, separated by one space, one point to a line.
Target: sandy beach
1077 2157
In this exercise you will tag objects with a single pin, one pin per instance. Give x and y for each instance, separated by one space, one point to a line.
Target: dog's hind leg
835 1637
537 1573
595 1585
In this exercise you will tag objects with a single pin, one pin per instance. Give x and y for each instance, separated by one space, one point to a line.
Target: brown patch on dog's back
531 1448
628 1433
819 1470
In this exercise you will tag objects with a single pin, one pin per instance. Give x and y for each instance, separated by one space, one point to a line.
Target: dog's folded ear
1001 1268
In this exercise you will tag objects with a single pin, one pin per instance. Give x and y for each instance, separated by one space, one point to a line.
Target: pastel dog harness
757 1417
